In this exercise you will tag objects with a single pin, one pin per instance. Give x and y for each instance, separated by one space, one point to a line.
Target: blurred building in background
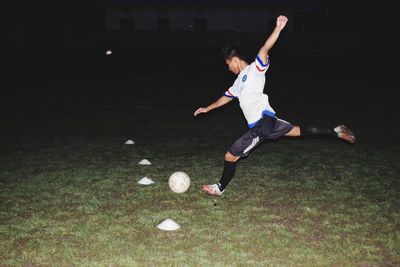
199 23
137 22
193 16
191 23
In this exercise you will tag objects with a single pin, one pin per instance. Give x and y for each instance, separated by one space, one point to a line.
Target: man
262 121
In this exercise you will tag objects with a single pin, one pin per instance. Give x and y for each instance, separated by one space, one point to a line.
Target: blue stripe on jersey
261 62
251 125
268 113
265 113
229 96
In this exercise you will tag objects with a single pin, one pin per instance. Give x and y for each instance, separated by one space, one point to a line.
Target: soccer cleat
345 133
212 189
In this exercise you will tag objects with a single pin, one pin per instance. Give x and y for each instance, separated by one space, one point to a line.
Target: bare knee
229 157
294 132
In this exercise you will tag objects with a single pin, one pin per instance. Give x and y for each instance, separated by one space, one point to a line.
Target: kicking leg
340 131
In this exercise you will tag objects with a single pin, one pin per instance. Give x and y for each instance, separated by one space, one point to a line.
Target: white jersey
249 89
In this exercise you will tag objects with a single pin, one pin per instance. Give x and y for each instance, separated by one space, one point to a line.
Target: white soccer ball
179 182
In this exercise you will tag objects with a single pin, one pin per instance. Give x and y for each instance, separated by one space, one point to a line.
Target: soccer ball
179 182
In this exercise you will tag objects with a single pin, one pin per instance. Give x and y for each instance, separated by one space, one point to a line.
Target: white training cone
144 162
129 142
145 181
168 225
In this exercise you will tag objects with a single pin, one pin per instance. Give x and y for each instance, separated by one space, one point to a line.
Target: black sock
316 131
227 174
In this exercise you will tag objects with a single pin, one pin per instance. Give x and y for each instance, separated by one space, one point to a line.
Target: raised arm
280 24
220 102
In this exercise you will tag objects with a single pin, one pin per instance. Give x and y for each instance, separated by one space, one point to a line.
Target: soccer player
262 121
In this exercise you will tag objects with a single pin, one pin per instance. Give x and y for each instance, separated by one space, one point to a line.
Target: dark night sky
46 54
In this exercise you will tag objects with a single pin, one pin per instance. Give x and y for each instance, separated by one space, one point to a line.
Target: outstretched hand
200 110
281 22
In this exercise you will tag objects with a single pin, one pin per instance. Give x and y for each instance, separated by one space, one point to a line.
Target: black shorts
267 128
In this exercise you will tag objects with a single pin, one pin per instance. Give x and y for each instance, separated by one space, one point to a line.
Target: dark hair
230 51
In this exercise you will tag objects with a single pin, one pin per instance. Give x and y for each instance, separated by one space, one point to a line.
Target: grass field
69 194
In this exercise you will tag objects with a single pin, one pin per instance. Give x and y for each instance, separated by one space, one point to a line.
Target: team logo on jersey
244 78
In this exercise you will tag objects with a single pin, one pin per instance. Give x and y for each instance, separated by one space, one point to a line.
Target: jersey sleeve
232 92
261 67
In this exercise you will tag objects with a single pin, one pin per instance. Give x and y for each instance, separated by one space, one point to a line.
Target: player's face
233 65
